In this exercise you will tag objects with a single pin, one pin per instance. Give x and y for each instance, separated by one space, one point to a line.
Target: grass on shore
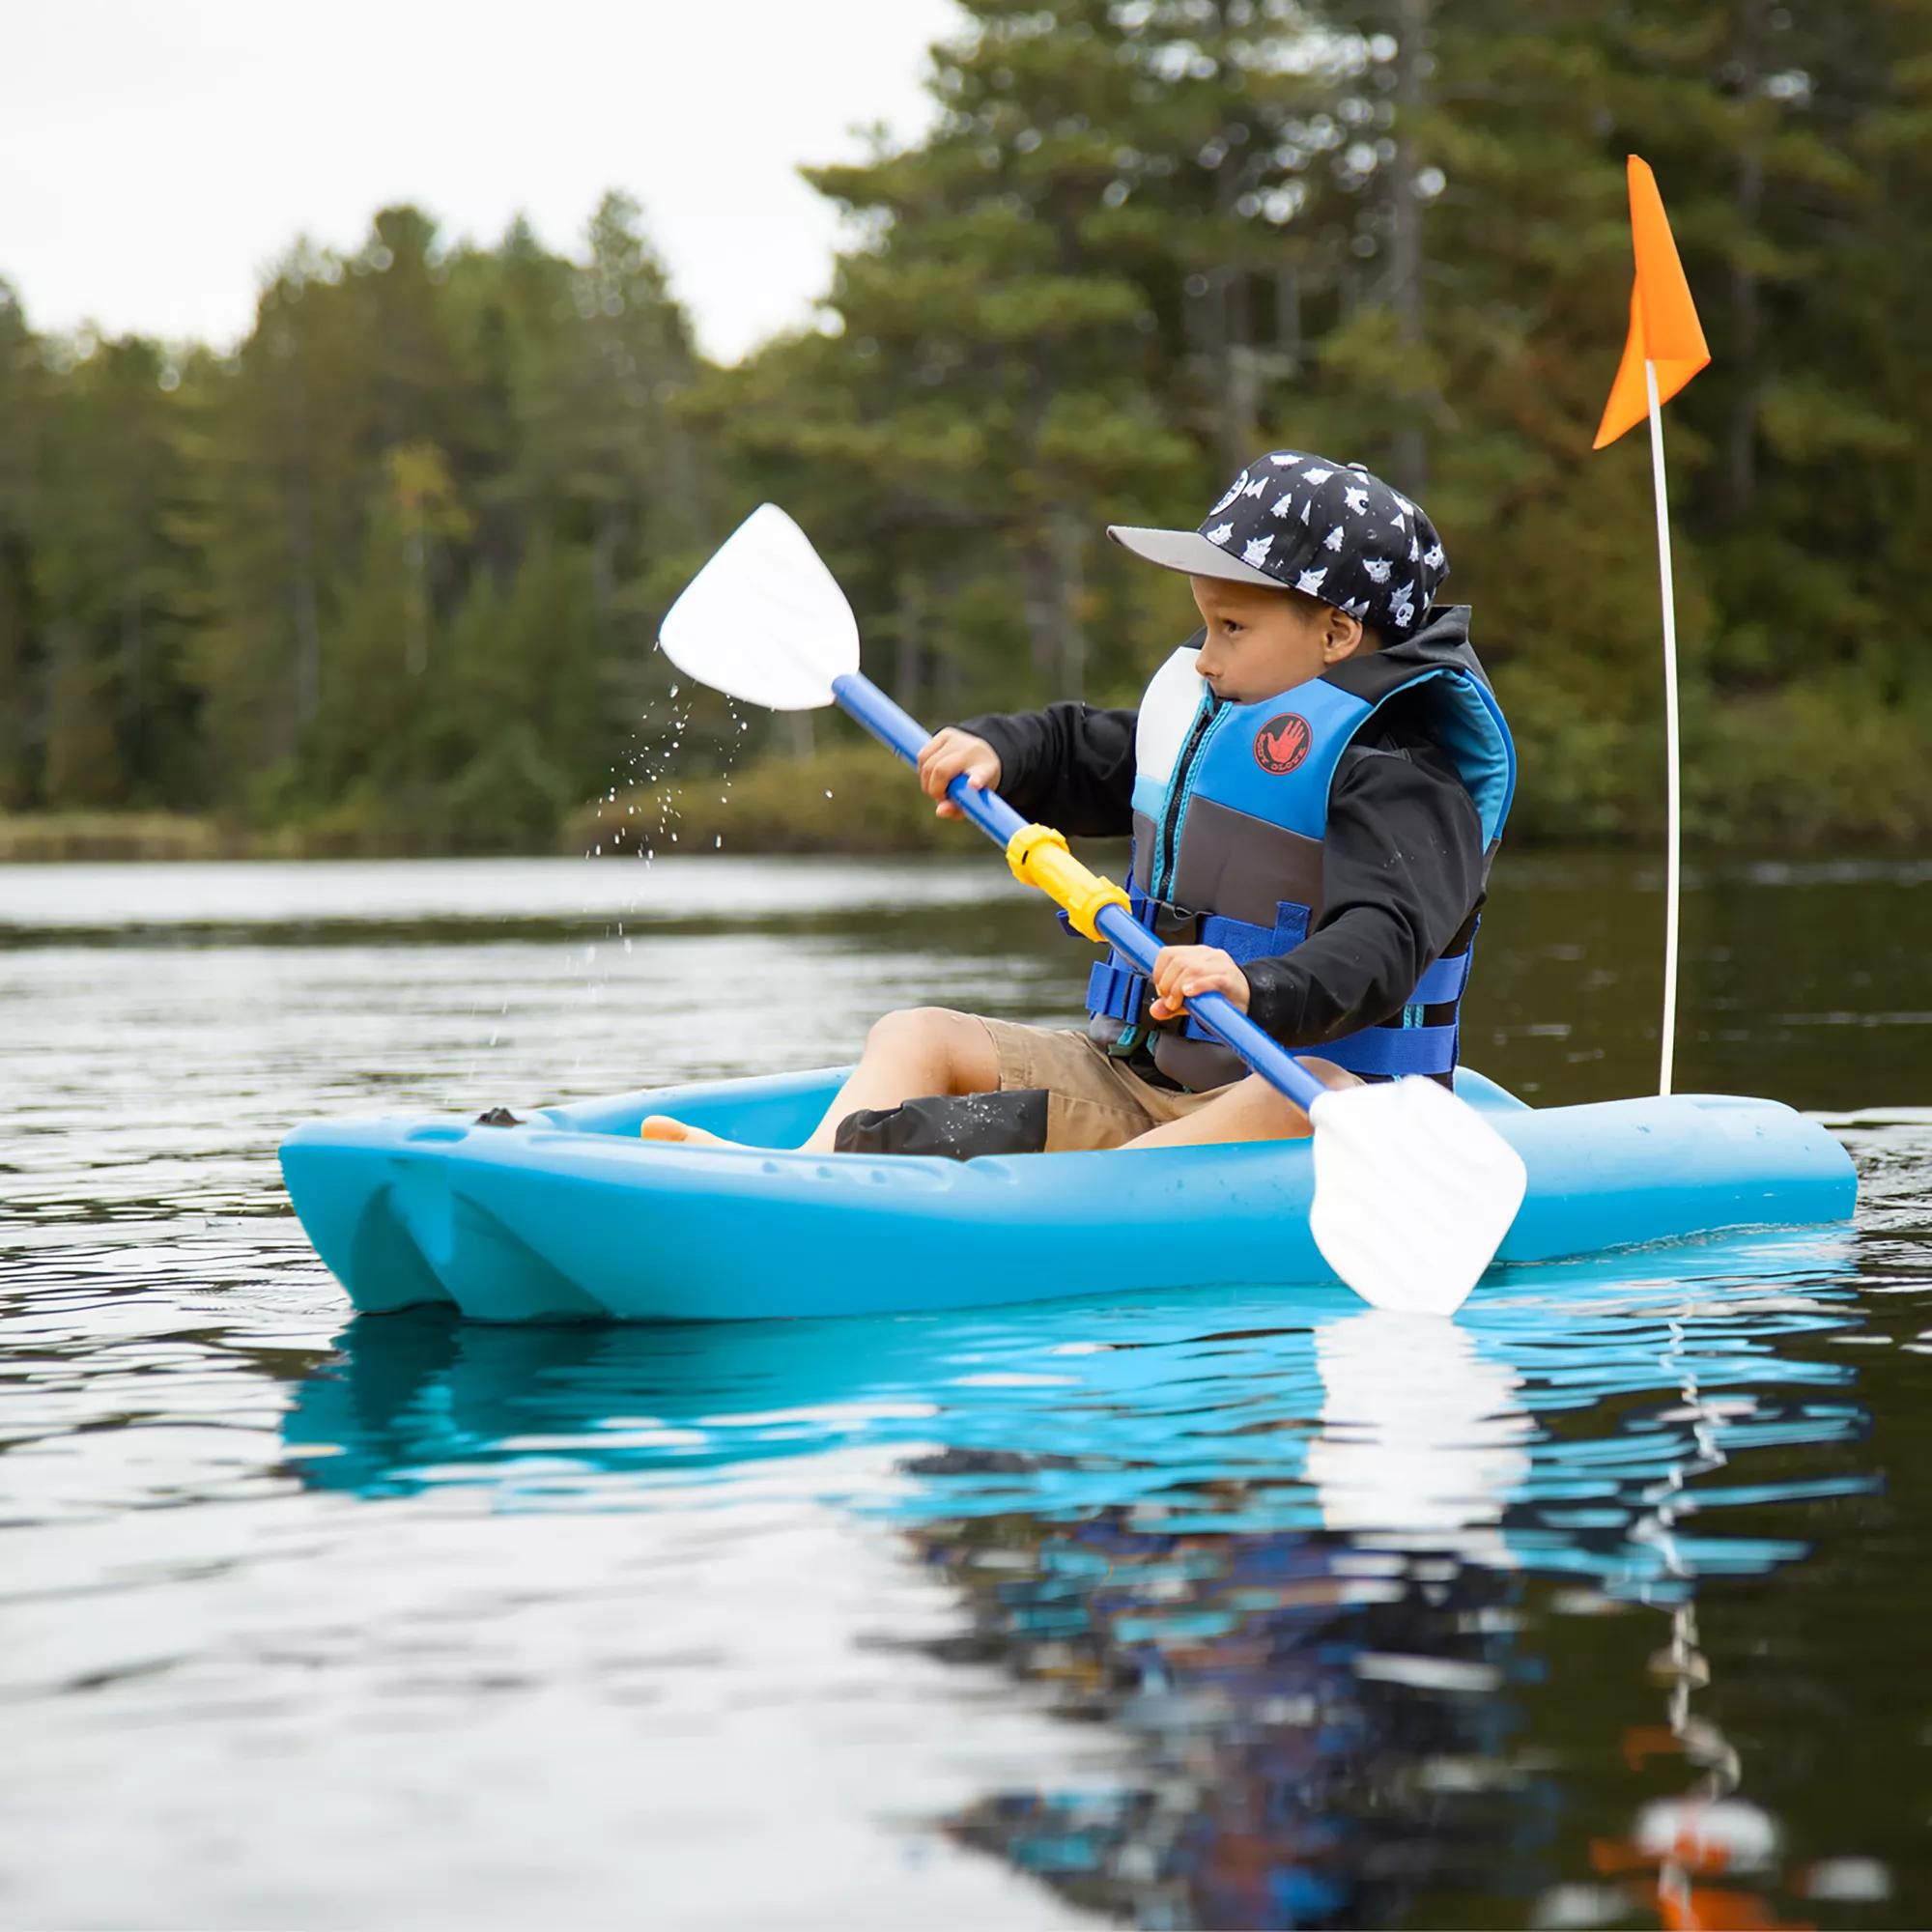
62 836
849 799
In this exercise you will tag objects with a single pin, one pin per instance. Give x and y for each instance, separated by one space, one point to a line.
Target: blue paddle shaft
899 732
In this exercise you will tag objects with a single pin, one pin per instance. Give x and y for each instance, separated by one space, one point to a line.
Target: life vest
1230 808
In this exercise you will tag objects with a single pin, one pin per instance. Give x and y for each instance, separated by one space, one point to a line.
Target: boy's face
1260 642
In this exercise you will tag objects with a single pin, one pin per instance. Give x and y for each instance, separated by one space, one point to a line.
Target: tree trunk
1070 551
604 569
1240 372
1287 317
415 559
910 619
1748 202
307 621
1055 578
82 769
1410 446
133 704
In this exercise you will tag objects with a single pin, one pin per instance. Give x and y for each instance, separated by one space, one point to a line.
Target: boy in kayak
1315 786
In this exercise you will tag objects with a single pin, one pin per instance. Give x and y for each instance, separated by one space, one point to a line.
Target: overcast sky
157 154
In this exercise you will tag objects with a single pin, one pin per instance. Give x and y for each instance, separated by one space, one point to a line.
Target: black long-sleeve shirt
1402 860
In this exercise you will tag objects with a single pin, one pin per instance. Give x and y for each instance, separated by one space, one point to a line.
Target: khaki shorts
1092 1101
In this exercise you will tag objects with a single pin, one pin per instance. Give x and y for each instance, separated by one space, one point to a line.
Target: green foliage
386 576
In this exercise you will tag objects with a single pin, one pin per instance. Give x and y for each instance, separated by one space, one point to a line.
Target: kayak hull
569 1215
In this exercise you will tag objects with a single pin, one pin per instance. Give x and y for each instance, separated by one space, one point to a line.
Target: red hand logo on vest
1282 743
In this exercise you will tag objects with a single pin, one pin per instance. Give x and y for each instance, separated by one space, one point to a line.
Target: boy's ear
1341 636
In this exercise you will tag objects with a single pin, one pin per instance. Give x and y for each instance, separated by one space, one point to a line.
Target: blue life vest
1231 805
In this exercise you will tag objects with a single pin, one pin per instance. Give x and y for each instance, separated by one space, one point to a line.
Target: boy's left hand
1181 973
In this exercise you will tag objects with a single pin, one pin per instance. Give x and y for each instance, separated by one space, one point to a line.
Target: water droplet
828 794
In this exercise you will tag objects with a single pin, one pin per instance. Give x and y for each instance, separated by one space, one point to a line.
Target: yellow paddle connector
1038 857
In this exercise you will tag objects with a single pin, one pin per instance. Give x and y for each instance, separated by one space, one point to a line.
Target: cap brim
1190 553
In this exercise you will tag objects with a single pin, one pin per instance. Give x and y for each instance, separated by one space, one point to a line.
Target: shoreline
603 832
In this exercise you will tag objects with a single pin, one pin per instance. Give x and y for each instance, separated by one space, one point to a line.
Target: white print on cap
1220 533
1318 475
1333 540
1233 491
1310 581
1282 458
1256 552
1378 568
1356 500
1282 508
1256 488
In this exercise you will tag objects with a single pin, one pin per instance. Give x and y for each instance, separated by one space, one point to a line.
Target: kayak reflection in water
1323 1716
1365 1603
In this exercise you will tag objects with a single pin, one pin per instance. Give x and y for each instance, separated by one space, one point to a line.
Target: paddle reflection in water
1387 1614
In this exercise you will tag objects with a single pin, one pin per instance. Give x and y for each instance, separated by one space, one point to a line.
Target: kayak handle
902 733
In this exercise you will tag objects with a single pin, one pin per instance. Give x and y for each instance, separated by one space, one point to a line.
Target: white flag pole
1673 788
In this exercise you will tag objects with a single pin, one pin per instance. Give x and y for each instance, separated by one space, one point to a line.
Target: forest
386 575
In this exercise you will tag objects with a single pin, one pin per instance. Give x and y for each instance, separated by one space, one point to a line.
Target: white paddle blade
1413 1193
764 620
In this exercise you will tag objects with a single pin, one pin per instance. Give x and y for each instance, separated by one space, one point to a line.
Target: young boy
1315 786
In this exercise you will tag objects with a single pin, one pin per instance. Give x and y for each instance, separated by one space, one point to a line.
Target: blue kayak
568 1215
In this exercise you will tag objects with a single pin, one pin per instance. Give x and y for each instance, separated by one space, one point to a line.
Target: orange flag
1664 325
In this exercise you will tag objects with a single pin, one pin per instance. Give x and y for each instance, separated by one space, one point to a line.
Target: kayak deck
570 1215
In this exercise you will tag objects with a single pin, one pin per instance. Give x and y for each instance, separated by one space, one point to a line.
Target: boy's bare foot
662 1128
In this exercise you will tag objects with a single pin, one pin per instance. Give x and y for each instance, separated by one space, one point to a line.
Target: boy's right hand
941 760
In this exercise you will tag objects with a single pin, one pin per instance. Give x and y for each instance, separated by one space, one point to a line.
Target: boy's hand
1182 972
942 758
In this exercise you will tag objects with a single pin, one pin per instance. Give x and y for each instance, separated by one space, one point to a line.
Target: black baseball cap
1292 520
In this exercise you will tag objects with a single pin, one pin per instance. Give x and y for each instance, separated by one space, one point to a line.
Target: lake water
1602 1605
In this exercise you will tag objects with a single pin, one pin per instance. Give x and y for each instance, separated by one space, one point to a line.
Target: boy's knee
953 1047
912 1027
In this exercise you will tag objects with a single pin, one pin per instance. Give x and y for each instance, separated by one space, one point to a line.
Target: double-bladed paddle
1413 1189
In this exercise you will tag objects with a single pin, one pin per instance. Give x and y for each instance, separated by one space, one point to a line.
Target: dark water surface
1602 1605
